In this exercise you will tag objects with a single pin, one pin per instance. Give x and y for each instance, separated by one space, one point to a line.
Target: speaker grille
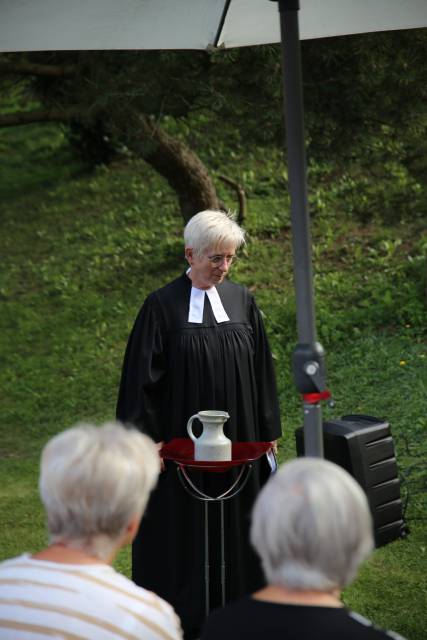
363 446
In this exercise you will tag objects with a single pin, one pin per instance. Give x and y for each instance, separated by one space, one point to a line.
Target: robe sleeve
143 374
268 401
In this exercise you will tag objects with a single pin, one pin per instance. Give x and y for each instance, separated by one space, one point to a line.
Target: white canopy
42 25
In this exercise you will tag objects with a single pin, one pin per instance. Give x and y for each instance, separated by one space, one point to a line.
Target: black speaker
363 445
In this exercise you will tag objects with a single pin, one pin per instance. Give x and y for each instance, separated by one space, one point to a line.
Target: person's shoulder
234 291
169 291
374 631
152 599
140 593
234 286
16 561
140 600
230 620
236 298
181 282
232 611
161 297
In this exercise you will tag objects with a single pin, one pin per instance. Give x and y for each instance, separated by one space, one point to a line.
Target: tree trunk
179 165
31 69
176 162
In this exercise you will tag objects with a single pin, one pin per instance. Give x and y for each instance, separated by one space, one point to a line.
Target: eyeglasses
219 259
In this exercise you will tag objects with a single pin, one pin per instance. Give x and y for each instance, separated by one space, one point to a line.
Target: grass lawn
81 250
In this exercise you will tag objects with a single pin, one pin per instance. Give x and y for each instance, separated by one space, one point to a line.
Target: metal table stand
181 452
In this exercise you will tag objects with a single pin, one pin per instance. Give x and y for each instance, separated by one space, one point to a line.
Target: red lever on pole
314 398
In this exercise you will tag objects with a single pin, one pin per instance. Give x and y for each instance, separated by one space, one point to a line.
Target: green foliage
44 147
385 290
365 102
360 83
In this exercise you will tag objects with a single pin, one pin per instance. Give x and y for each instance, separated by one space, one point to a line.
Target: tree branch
30 69
41 115
241 196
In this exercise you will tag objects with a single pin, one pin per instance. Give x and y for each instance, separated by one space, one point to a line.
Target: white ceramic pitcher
212 444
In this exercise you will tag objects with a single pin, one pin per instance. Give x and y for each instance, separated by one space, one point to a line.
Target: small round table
181 452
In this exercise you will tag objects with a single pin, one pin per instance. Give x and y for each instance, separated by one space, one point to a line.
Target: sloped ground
80 251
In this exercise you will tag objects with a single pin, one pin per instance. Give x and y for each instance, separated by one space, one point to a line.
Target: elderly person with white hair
199 343
94 485
312 528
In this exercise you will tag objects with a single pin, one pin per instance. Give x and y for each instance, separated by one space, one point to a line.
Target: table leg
207 593
195 492
222 554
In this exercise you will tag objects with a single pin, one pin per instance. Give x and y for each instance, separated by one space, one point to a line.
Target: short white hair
93 481
212 229
311 526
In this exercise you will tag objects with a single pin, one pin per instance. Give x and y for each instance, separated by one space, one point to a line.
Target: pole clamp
314 398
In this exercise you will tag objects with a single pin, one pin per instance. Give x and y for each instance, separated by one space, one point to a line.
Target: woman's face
211 267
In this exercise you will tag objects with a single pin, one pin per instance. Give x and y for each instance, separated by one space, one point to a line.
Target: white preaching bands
197 304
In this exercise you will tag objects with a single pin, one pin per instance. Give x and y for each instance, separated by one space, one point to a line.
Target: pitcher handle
190 427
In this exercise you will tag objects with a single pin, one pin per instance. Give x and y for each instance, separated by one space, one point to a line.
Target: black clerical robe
173 369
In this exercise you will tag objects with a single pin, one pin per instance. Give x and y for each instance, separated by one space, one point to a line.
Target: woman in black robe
199 343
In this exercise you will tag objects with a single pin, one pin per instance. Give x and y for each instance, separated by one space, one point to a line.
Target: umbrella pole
308 357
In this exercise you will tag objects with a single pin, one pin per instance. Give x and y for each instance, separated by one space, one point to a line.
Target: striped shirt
43 599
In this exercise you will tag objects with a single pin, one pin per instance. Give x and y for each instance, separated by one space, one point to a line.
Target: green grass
81 250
